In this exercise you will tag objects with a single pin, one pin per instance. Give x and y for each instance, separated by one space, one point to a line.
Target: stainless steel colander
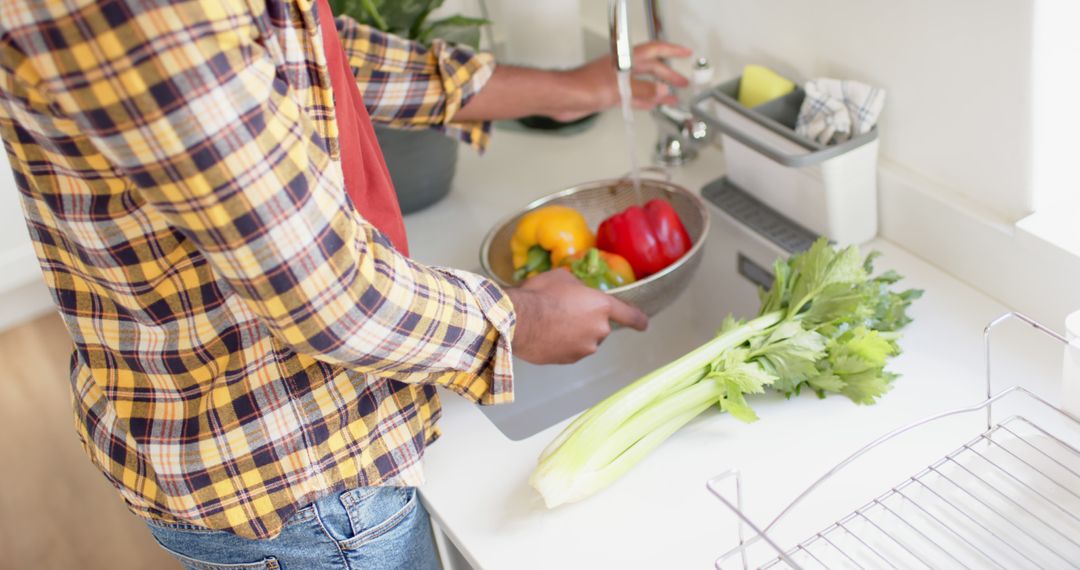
597 201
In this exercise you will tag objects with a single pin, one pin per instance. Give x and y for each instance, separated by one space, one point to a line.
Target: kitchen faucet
681 134
621 50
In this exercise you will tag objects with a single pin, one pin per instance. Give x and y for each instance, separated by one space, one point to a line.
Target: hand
593 87
560 321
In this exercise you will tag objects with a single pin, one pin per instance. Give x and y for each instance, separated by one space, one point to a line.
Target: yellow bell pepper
545 236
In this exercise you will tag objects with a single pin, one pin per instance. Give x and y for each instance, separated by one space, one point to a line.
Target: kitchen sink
546 395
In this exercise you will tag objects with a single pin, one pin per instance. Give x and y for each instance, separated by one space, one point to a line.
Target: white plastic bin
831 190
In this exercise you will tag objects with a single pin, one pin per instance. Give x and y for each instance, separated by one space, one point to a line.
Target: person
255 355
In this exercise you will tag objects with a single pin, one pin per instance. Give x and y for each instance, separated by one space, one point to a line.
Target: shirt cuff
464 73
491 379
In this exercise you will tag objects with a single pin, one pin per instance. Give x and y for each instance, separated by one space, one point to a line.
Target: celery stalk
559 487
597 421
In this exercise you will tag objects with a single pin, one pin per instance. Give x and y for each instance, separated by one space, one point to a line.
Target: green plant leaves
839 326
409 19
455 29
820 267
737 377
791 354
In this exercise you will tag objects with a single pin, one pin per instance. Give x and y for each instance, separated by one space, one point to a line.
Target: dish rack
1009 497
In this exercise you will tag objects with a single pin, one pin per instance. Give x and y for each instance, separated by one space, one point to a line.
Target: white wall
980 125
975 89
1055 84
957 72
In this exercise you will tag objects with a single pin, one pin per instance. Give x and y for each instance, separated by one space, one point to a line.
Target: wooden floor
56 509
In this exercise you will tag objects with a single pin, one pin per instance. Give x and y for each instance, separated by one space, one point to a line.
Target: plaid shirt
244 341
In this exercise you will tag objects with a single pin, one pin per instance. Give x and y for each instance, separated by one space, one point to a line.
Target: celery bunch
825 325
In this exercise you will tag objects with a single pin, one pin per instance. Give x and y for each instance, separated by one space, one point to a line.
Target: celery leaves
825 325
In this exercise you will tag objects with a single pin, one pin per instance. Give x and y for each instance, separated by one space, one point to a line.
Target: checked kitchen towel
836 110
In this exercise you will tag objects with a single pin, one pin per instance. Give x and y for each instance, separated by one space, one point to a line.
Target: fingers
543 280
560 320
649 60
660 71
657 50
648 95
627 315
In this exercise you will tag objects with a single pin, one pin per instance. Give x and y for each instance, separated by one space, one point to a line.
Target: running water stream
631 140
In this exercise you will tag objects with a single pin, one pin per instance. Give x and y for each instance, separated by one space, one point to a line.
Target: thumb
627 315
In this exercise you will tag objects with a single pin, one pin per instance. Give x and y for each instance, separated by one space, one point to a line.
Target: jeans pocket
189 563
374 512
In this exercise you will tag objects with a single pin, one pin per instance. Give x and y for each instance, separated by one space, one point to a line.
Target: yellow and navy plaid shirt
244 341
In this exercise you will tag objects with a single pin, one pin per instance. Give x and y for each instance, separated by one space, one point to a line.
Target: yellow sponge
760 85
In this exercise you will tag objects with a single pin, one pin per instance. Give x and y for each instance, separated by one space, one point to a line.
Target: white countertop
660 514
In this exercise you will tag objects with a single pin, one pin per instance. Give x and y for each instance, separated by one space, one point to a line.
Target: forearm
514 92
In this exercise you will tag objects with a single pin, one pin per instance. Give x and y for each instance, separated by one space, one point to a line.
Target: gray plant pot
422 165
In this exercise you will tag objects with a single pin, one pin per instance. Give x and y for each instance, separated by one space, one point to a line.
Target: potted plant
421 162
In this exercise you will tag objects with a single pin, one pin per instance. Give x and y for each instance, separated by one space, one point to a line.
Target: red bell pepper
650 237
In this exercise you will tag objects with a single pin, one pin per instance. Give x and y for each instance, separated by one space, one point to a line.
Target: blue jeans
370 528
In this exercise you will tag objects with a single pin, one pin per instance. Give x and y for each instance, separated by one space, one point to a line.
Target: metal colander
597 201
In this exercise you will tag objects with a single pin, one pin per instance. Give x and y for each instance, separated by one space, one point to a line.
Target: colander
597 201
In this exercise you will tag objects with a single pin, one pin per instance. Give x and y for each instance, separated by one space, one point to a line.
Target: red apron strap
367 179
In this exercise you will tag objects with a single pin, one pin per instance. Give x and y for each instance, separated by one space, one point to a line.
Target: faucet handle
621 50
701 76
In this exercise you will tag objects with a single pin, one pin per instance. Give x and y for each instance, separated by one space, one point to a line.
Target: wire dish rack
1009 497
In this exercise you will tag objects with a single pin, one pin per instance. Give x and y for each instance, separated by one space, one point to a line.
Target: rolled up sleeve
409 86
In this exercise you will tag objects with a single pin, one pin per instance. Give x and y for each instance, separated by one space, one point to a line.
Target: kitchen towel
836 110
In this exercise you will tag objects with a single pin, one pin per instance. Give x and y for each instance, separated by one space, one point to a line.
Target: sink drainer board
1008 497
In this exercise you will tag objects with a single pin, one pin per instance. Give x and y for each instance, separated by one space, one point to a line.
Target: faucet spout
680 133
621 50
654 20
